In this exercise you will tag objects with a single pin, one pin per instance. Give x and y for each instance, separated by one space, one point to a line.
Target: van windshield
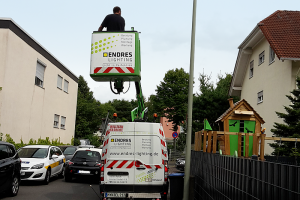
33 153
87 156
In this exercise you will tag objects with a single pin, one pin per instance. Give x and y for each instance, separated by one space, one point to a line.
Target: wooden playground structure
240 133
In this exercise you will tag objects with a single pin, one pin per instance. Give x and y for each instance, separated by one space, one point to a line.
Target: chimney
231 102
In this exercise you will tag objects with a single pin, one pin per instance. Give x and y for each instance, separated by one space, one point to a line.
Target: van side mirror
54 156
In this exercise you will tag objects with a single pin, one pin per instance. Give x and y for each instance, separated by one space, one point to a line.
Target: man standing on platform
113 22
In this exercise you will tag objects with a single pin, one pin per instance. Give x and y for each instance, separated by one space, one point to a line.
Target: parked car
86 146
68 151
10 166
85 162
40 162
180 163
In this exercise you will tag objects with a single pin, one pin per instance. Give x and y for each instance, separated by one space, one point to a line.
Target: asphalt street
58 189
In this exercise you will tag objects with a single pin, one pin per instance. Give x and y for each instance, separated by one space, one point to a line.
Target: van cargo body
134 160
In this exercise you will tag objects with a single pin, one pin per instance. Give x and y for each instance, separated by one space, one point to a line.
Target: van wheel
14 188
47 176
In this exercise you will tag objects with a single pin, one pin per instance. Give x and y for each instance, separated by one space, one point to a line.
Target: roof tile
282 30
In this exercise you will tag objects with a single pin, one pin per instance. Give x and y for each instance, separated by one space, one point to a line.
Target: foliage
123 109
40 141
172 96
291 126
150 104
88 114
180 142
212 101
94 139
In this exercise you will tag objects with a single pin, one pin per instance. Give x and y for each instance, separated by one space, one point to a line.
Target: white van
134 161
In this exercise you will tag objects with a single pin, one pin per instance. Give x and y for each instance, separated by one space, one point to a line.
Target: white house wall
275 80
26 110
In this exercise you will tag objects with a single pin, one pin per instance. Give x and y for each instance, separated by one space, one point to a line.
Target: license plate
116 195
83 172
22 173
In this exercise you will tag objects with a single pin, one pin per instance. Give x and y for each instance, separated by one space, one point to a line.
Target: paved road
57 189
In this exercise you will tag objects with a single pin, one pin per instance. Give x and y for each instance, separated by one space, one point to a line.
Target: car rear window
87 156
70 150
33 153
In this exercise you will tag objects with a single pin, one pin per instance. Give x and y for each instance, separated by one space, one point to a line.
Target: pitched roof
235 107
282 30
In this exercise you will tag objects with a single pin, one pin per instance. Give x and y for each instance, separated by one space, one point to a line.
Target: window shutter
40 70
66 85
59 82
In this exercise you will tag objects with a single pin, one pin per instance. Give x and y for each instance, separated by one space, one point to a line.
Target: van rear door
119 167
149 168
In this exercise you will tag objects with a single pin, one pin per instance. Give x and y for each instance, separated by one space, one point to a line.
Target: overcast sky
64 28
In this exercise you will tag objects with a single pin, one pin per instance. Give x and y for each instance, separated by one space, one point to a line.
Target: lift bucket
115 56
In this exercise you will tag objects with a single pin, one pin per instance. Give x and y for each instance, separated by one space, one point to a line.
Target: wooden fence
208 140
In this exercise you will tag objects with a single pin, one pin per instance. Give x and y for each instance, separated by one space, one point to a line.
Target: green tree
172 96
150 104
123 109
212 101
88 114
291 126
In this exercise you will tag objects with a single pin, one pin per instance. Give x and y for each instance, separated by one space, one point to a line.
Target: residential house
267 65
168 129
38 94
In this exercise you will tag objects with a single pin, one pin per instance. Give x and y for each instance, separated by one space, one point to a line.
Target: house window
63 122
260 96
59 82
56 121
39 75
261 58
66 85
272 56
251 69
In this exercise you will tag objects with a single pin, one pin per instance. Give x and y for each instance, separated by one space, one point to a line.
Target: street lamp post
190 107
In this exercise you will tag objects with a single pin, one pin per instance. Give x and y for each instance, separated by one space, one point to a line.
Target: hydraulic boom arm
140 113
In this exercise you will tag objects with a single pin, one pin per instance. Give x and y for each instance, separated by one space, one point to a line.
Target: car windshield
69 150
33 152
87 156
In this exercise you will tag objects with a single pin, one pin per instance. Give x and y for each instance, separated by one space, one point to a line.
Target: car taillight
102 173
71 163
98 164
166 171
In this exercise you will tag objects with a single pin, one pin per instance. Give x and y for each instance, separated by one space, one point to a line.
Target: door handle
140 168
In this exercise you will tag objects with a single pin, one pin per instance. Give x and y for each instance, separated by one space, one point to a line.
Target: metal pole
190 107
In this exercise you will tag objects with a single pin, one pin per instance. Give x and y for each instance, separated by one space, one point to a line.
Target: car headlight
38 166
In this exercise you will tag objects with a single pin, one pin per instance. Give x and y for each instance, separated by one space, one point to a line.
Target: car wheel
14 188
47 176
68 178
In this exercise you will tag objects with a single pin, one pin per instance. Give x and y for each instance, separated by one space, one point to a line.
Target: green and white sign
113 52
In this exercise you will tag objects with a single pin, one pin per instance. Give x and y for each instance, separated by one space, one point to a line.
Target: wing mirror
54 156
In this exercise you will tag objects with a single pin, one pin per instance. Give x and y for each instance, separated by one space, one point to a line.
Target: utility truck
134 162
